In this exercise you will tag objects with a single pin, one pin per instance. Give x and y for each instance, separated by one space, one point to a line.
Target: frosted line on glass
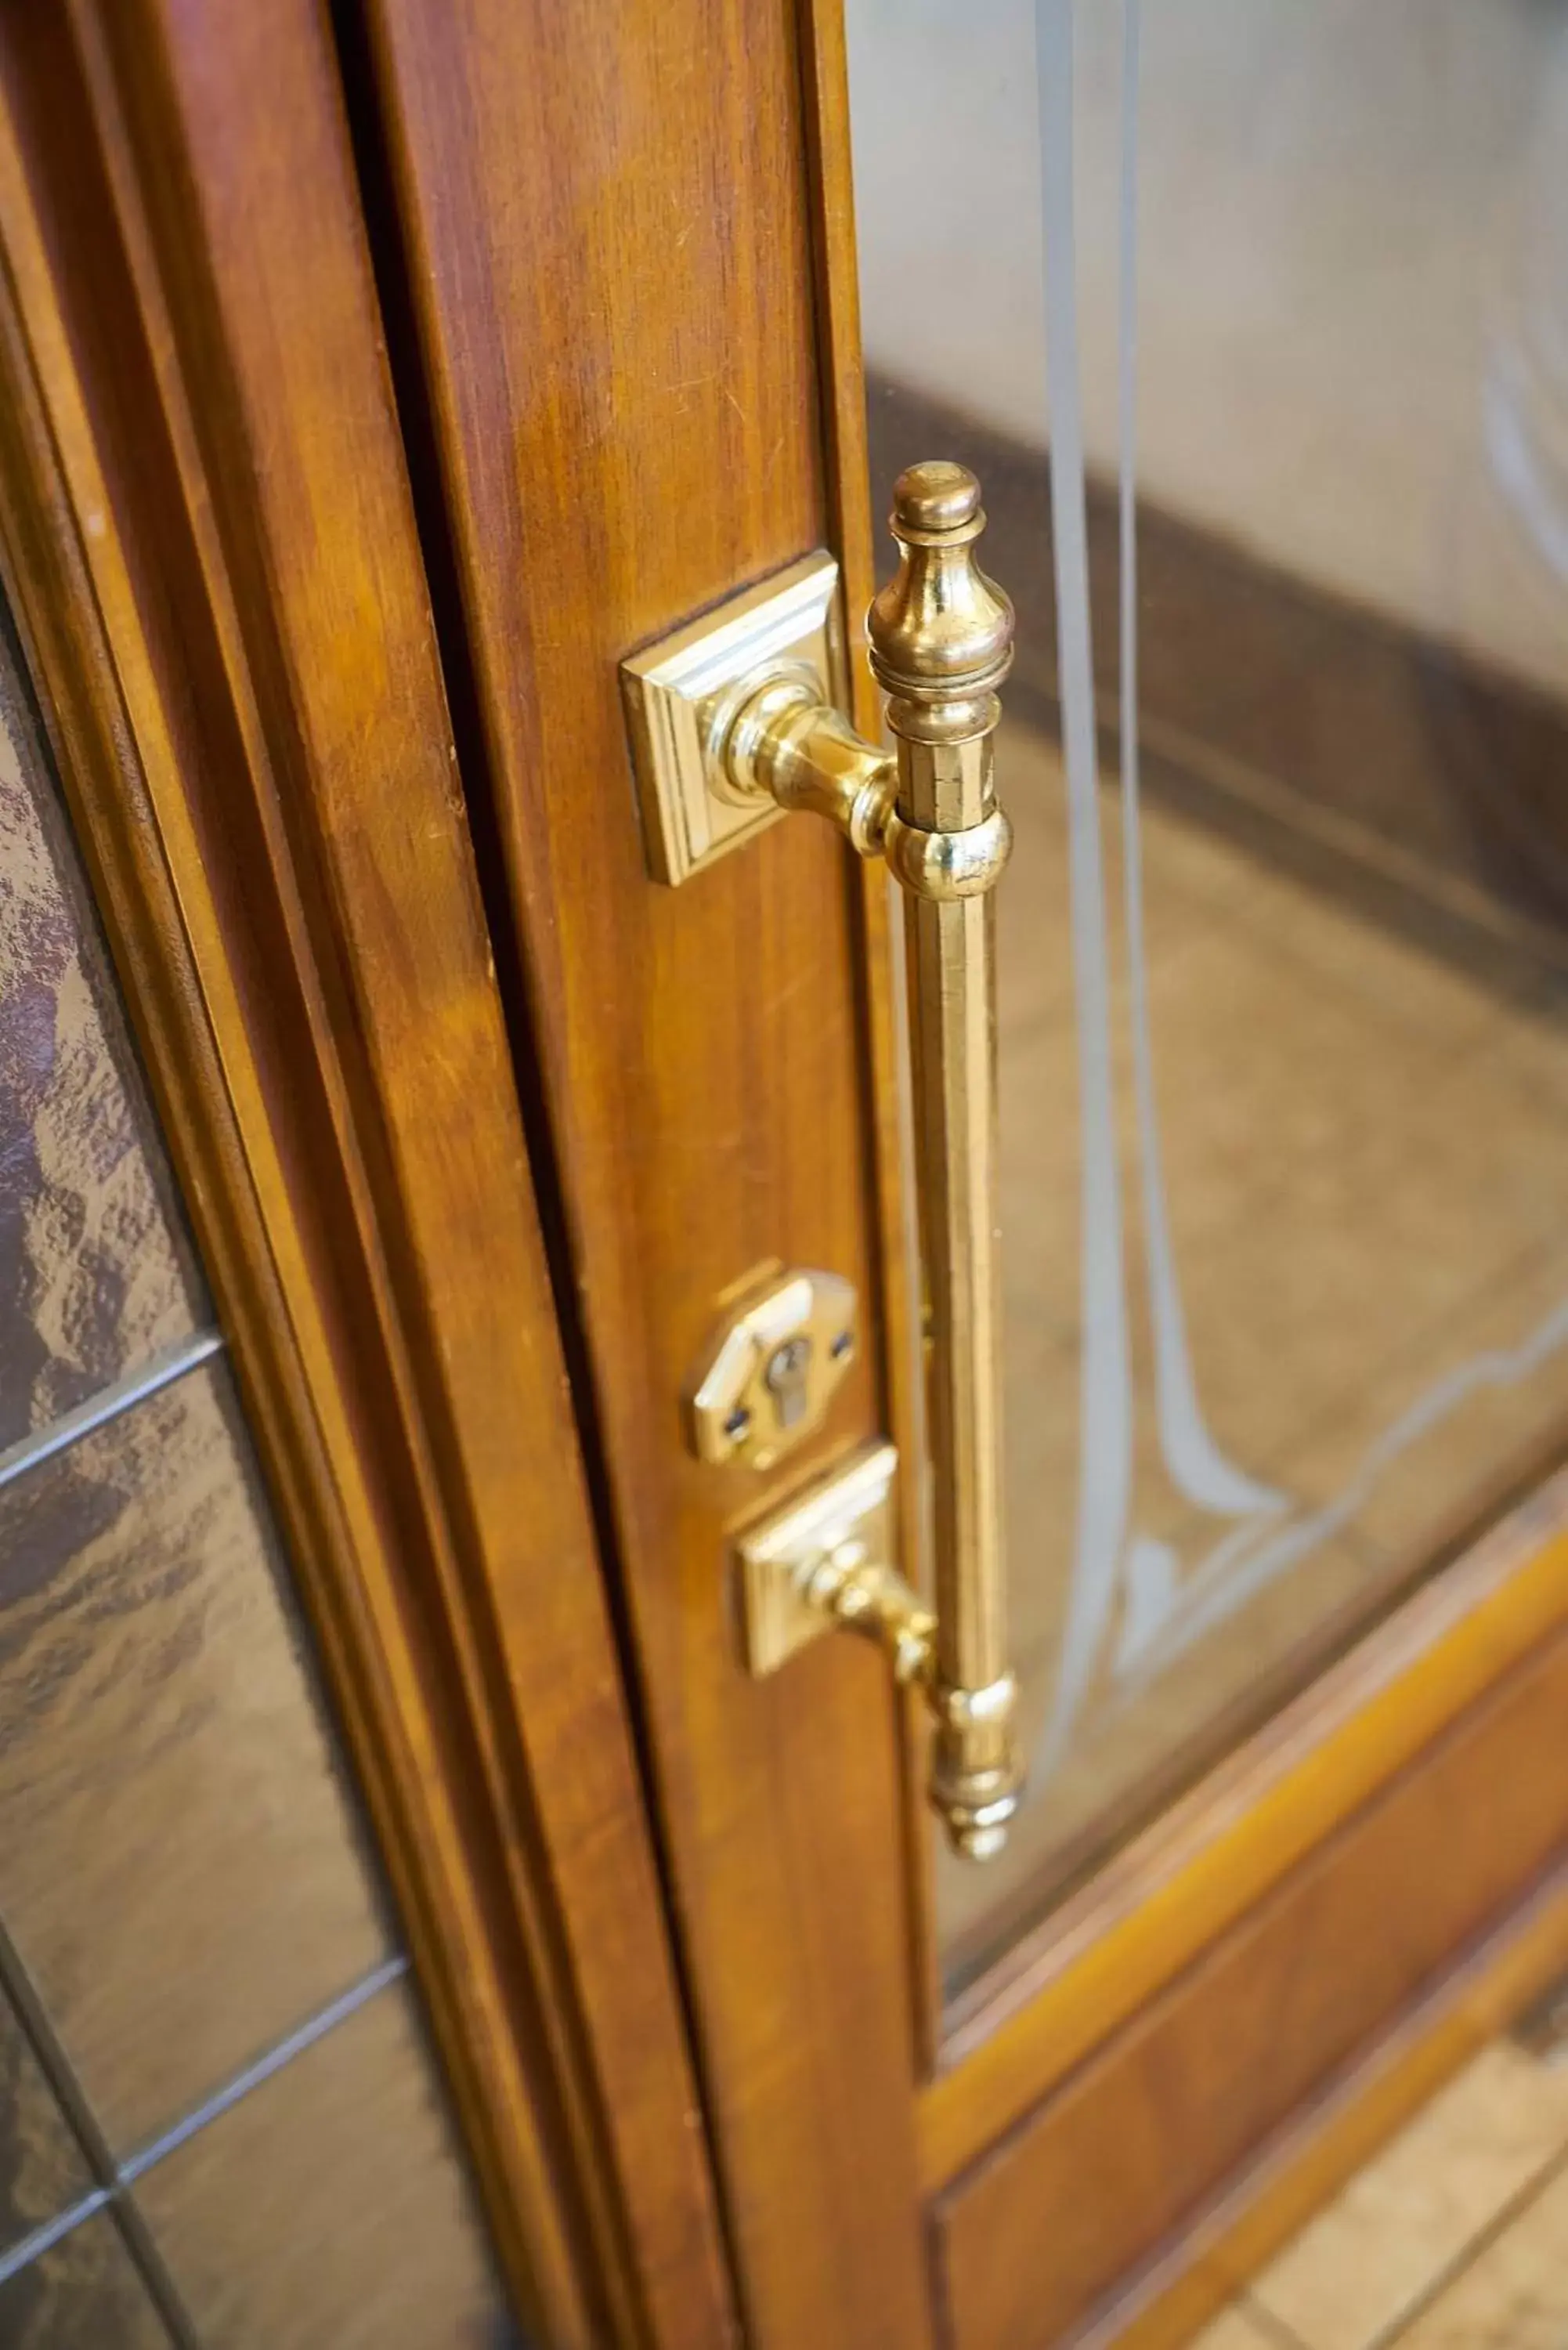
1105 1446
1198 1467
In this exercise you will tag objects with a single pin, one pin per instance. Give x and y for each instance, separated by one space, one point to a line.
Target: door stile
608 259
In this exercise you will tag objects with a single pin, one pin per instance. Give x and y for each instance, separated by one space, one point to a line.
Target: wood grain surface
607 253
628 367
209 540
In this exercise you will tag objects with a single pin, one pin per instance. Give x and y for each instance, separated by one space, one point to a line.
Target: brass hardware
824 1560
763 738
682 697
772 1374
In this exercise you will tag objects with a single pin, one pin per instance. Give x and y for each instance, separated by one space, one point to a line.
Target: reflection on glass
42 2170
95 1276
203 2016
161 1732
84 2290
345 2158
1271 324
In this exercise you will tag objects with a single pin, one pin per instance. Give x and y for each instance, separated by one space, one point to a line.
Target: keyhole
786 1378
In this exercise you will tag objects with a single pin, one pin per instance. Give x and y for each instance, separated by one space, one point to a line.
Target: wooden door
1250 1917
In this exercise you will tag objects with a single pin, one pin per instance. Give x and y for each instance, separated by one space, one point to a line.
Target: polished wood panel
1138 2139
608 370
607 251
208 538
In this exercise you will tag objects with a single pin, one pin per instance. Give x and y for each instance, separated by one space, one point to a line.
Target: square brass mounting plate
678 689
855 1504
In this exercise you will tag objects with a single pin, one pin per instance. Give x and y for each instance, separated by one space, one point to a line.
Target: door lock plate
773 1369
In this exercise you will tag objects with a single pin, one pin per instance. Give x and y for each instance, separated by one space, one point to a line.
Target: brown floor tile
1532 1046
1515 2296
1362 1251
1352 953
1237 2329
1368 2259
1422 1438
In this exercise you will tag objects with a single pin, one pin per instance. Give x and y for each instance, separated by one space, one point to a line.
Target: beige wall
1354 275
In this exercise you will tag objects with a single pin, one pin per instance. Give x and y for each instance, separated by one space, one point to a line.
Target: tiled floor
1455 2238
1364 1164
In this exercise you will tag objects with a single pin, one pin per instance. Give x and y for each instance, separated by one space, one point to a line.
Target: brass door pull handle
764 737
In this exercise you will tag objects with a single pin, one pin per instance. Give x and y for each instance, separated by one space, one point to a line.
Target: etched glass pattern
1259 355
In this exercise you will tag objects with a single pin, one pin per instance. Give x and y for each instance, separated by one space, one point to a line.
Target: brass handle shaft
942 643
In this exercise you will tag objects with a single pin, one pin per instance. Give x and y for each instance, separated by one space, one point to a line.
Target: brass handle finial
940 630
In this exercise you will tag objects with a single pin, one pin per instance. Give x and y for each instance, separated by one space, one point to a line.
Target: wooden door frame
796 1851
208 542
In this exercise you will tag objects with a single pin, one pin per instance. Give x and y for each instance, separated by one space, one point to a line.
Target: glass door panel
1265 304
220 2120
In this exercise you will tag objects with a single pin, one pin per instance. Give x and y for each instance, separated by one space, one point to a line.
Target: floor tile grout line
1451 2271
161 1371
1263 2319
